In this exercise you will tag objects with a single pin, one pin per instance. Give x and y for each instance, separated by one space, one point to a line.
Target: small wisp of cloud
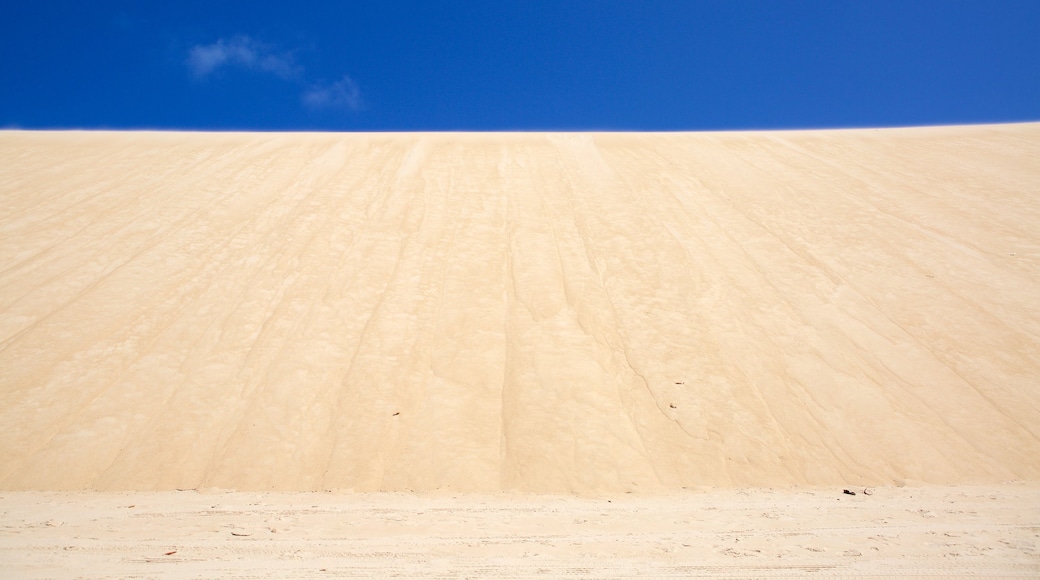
342 94
245 52
241 51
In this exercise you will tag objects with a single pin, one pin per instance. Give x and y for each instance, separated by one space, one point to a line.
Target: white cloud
343 94
241 51
245 52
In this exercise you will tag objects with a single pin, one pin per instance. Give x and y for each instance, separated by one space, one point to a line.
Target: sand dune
530 312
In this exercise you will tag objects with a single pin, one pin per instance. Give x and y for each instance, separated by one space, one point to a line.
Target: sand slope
535 312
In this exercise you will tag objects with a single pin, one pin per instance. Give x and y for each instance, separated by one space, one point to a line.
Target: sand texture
930 532
560 313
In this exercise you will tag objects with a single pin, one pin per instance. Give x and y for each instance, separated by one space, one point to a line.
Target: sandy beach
519 354
936 531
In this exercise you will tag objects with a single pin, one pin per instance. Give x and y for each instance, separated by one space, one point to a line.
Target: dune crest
533 311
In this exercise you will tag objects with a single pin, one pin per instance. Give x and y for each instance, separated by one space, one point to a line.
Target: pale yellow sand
613 316
947 532
529 312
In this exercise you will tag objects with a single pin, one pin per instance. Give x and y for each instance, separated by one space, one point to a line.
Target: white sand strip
950 532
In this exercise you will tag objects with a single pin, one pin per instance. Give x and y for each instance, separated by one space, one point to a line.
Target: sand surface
523 312
520 354
947 532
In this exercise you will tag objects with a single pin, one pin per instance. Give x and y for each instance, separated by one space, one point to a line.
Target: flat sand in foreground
948 532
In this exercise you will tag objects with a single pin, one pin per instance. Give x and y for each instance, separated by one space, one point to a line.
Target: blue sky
390 65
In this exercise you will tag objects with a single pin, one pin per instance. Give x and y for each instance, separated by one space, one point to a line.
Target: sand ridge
545 312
